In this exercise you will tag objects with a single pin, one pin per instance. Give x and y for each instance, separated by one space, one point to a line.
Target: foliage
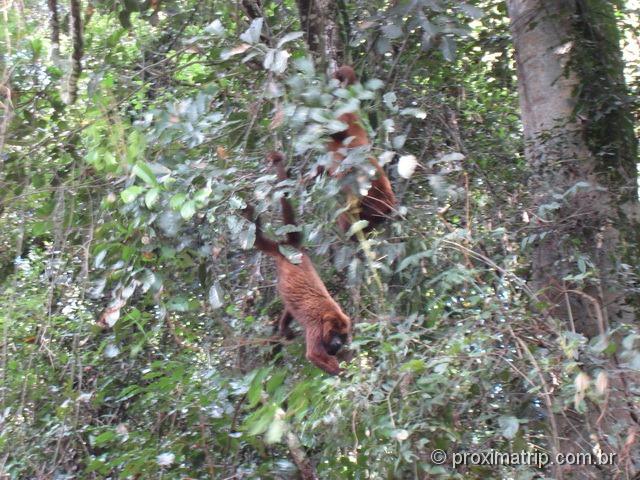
137 321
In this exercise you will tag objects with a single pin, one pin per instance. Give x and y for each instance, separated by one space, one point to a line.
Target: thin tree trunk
75 27
6 92
584 198
54 24
307 472
322 33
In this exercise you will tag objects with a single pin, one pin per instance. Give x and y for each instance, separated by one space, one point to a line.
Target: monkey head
336 331
275 157
345 75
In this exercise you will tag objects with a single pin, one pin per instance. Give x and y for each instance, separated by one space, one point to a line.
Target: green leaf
151 197
40 228
415 365
178 304
104 437
255 389
188 209
177 200
202 195
129 392
36 46
142 171
130 194
258 423
275 381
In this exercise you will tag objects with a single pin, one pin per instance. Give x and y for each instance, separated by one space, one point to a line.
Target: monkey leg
284 325
283 329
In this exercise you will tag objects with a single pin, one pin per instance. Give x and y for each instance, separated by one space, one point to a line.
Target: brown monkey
305 297
380 201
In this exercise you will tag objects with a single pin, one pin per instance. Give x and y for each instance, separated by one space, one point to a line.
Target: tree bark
583 185
322 33
307 472
75 29
54 24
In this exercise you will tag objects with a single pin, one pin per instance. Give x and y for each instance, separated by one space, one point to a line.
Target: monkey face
275 157
336 331
336 343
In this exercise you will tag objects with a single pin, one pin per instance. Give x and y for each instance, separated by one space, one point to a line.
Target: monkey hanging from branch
379 203
305 297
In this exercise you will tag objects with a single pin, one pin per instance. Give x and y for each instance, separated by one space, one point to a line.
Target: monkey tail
262 243
293 238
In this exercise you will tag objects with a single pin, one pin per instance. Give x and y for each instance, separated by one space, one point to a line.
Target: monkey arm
317 355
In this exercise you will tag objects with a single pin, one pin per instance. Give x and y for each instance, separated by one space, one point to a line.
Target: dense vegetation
138 321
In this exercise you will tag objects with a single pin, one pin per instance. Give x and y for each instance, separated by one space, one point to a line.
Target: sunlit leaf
103 438
374 84
252 34
177 200
269 58
151 197
357 226
288 38
293 254
216 296
389 100
280 61
130 194
247 237
260 421
448 48
509 426
237 50
215 28
143 171
398 141
188 209
407 165
275 431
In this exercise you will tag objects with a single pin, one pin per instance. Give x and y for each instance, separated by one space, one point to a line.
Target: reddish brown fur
380 200
303 293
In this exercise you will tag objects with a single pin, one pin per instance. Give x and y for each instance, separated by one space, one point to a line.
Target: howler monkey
305 297
380 200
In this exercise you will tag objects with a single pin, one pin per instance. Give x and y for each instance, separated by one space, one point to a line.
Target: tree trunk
75 59
322 33
582 153
54 24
